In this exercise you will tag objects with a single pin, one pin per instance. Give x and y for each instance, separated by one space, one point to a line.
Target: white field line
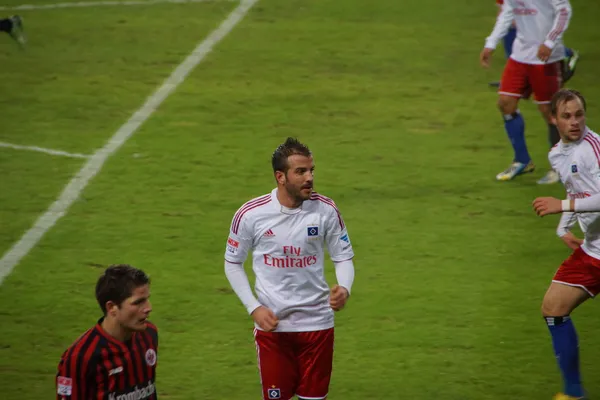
53 152
98 4
78 183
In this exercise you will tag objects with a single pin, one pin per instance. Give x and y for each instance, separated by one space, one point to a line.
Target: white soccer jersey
538 22
578 165
288 256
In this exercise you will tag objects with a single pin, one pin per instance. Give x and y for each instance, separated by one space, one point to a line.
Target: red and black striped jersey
100 367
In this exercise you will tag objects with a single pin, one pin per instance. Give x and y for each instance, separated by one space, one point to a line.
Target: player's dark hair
118 283
290 147
564 95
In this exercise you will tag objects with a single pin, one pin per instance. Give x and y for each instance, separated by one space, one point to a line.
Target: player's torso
579 169
127 371
288 261
290 247
534 20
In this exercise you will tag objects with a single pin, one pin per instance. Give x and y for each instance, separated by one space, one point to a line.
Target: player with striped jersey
293 311
116 359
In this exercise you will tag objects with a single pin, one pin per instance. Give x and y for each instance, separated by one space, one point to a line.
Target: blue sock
568 52
566 349
508 40
515 128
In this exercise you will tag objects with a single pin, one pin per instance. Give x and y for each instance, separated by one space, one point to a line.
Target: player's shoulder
249 210
324 204
554 150
322 200
254 205
327 206
590 146
90 343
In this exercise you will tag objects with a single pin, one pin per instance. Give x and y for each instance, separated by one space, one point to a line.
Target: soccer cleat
569 65
548 179
516 168
17 31
562 396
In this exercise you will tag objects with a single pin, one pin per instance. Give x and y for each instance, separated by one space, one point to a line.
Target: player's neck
286 200
114 329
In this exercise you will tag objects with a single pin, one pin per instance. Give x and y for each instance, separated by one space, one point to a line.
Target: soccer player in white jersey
535 64
286 231
576 158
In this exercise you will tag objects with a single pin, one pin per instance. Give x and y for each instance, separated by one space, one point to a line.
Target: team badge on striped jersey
312 231
151 357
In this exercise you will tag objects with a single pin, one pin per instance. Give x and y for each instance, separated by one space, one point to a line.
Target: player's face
570 120
299 178
135 309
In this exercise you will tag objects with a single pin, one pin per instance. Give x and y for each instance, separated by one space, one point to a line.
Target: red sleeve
67 384
500 2
72 377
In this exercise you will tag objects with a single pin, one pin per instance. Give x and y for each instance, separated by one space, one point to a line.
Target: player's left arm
341 253
563 13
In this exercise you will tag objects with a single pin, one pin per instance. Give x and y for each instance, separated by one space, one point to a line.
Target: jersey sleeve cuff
560 232
549 44
491 44
253 306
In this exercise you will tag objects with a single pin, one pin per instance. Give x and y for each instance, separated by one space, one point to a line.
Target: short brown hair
290 147
118 283
564 95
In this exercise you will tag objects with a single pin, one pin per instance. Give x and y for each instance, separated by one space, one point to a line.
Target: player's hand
572 241
338 297
544 53
265 318
485 57
547 205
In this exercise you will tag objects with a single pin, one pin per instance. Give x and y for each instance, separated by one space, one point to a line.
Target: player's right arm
503 24
73 379
239 244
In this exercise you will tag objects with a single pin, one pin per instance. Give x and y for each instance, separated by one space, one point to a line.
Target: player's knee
507 105
555 307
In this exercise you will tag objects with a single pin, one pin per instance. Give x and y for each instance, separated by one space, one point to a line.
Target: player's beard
298 193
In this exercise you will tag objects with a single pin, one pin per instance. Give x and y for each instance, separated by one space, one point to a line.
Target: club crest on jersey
313 232
274 393
574 168
151 357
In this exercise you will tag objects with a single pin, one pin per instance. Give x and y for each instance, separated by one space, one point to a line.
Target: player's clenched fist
265 318
338 297
544 53
547 205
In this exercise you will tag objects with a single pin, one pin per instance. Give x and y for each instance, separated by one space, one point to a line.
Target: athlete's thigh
277 365
545 81
315 359
514 79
